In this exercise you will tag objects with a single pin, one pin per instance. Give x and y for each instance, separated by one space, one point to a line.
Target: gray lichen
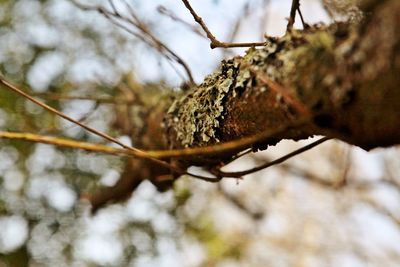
195 117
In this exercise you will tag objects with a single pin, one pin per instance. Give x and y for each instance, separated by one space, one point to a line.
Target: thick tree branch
345 76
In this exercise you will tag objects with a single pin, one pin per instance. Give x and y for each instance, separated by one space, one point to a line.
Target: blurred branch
143 33
67 143
98 99
236 27
311 177
236 201
166 12
391 174
347 166
382 210
83 119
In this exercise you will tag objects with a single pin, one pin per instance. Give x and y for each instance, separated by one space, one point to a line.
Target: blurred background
335 205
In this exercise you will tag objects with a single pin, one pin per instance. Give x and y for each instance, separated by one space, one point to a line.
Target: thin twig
295 7
274 162
66 143
292 16
114 8
214 42
382 210
98 99
305 25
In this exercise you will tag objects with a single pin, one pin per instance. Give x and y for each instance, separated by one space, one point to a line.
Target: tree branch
344 76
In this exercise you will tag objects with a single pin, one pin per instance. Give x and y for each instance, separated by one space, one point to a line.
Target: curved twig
269 164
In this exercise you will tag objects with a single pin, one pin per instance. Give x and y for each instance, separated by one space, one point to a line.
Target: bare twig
99 148
274 162
295 7
214 42
292 16
155 154
67 143
98 99
305 25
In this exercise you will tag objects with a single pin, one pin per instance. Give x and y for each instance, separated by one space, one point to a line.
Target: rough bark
343 78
